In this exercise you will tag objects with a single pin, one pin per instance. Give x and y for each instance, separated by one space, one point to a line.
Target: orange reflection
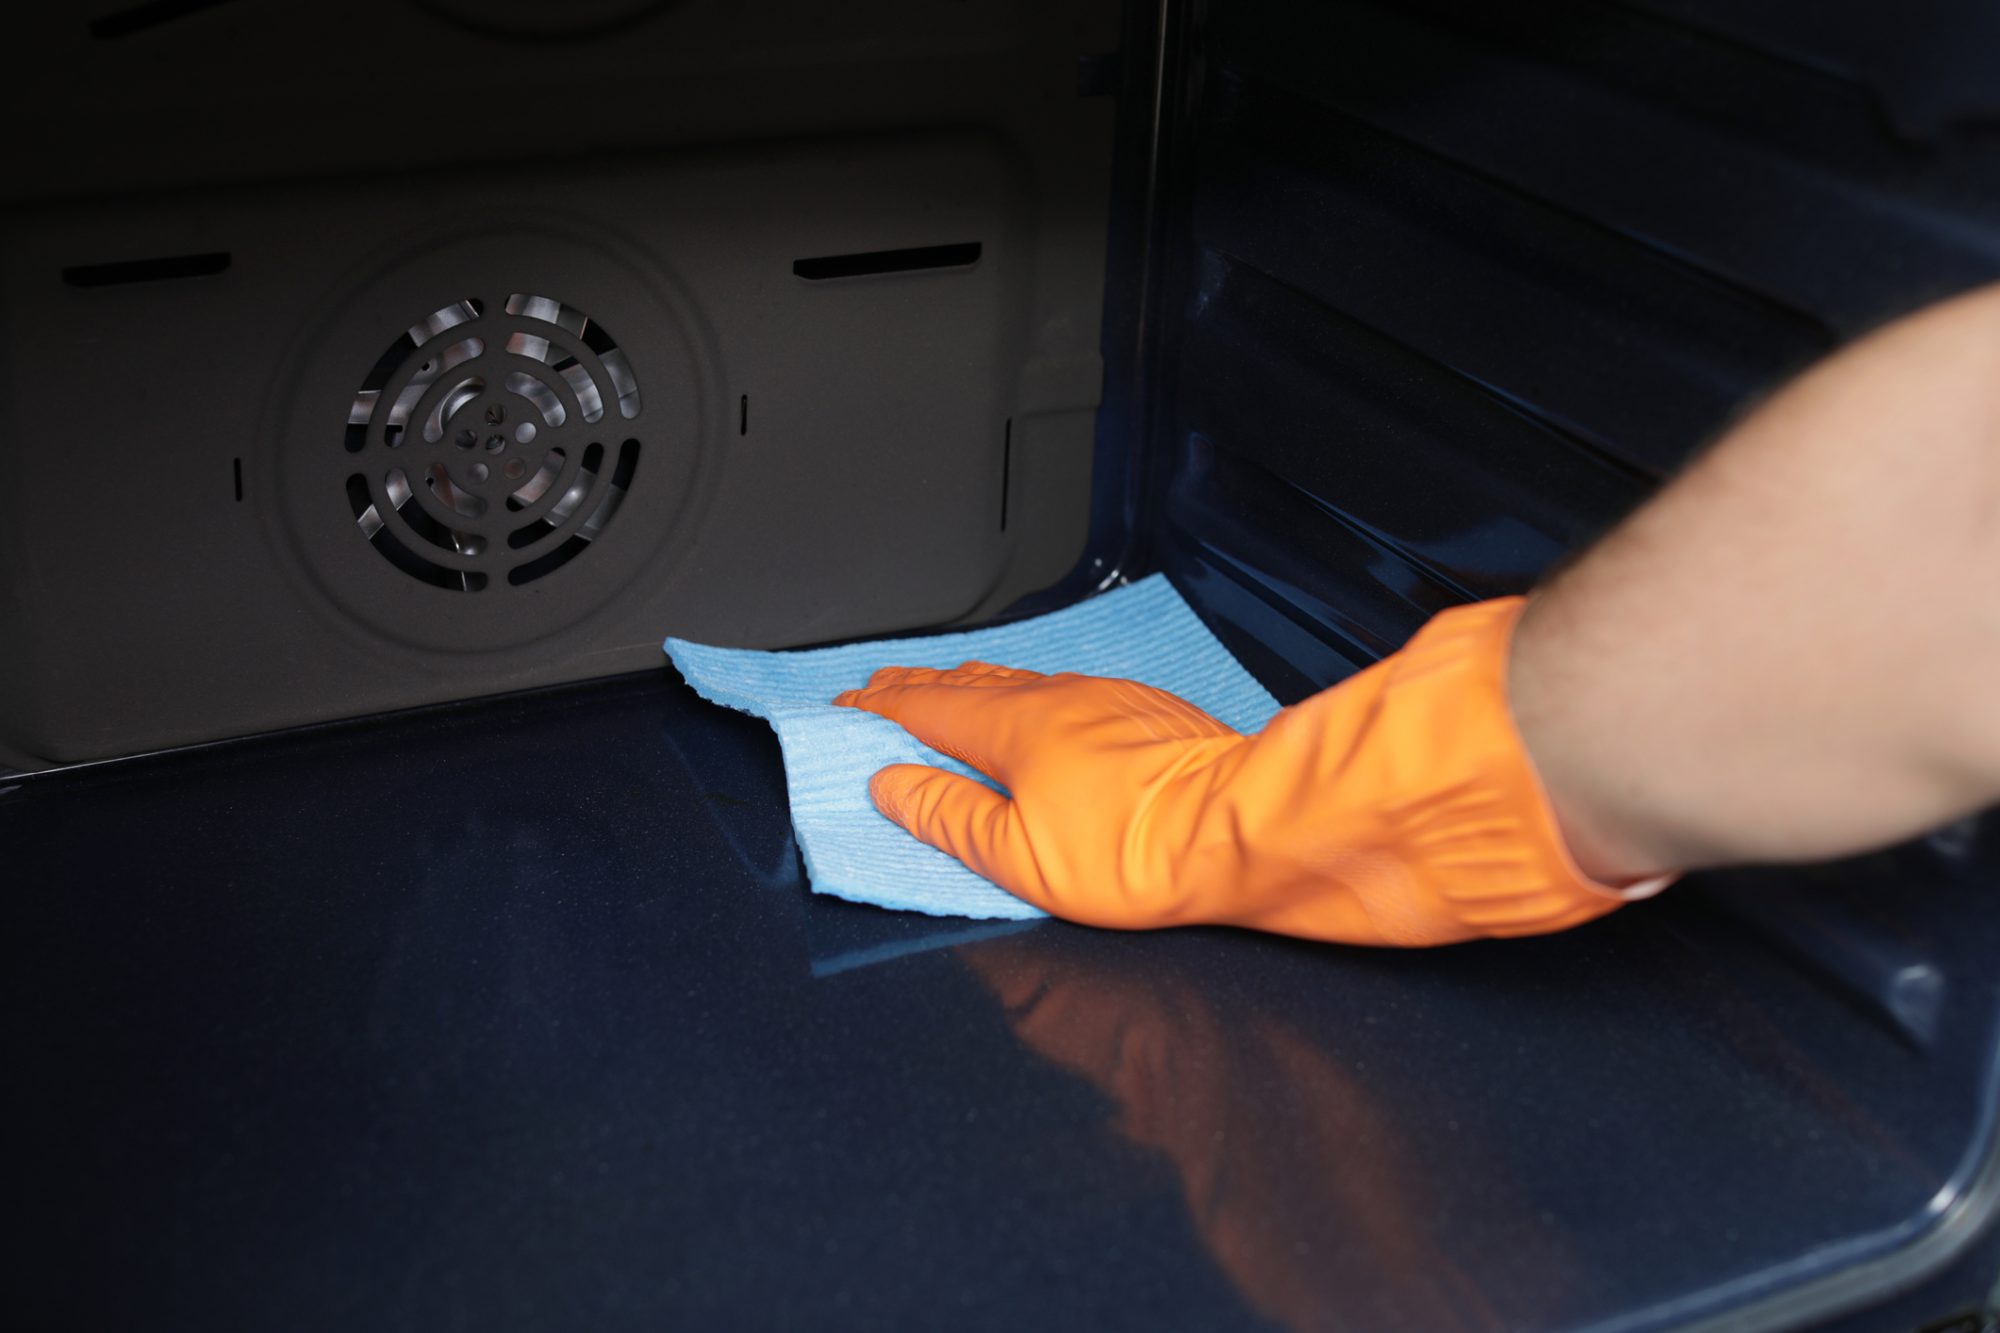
1320 1211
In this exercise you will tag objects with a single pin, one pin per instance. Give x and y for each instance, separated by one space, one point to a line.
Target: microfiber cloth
1141 632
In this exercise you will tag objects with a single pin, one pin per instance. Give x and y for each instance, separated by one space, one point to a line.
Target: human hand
1396 808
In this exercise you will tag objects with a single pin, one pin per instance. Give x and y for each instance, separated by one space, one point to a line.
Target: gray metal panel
859 492
320 178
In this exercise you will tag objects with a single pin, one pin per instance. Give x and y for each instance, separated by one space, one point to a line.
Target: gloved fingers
993 669
987 680
962 818
1168 716
969 724
896 675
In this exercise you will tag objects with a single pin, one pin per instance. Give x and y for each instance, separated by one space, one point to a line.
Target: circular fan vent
493 447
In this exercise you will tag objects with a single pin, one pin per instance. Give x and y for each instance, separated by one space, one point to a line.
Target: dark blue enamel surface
519 1015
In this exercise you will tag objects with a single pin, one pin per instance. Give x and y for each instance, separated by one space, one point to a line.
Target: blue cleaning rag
1142 632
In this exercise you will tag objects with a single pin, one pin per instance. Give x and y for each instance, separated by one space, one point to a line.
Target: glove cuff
1482 831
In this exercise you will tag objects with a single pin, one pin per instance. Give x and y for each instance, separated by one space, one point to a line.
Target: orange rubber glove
1397 808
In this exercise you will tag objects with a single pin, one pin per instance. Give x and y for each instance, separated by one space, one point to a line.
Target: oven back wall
281 451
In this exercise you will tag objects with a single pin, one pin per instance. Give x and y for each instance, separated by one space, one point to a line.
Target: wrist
1602 827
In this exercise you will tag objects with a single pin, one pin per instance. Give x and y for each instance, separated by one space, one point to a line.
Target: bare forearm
1792 652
